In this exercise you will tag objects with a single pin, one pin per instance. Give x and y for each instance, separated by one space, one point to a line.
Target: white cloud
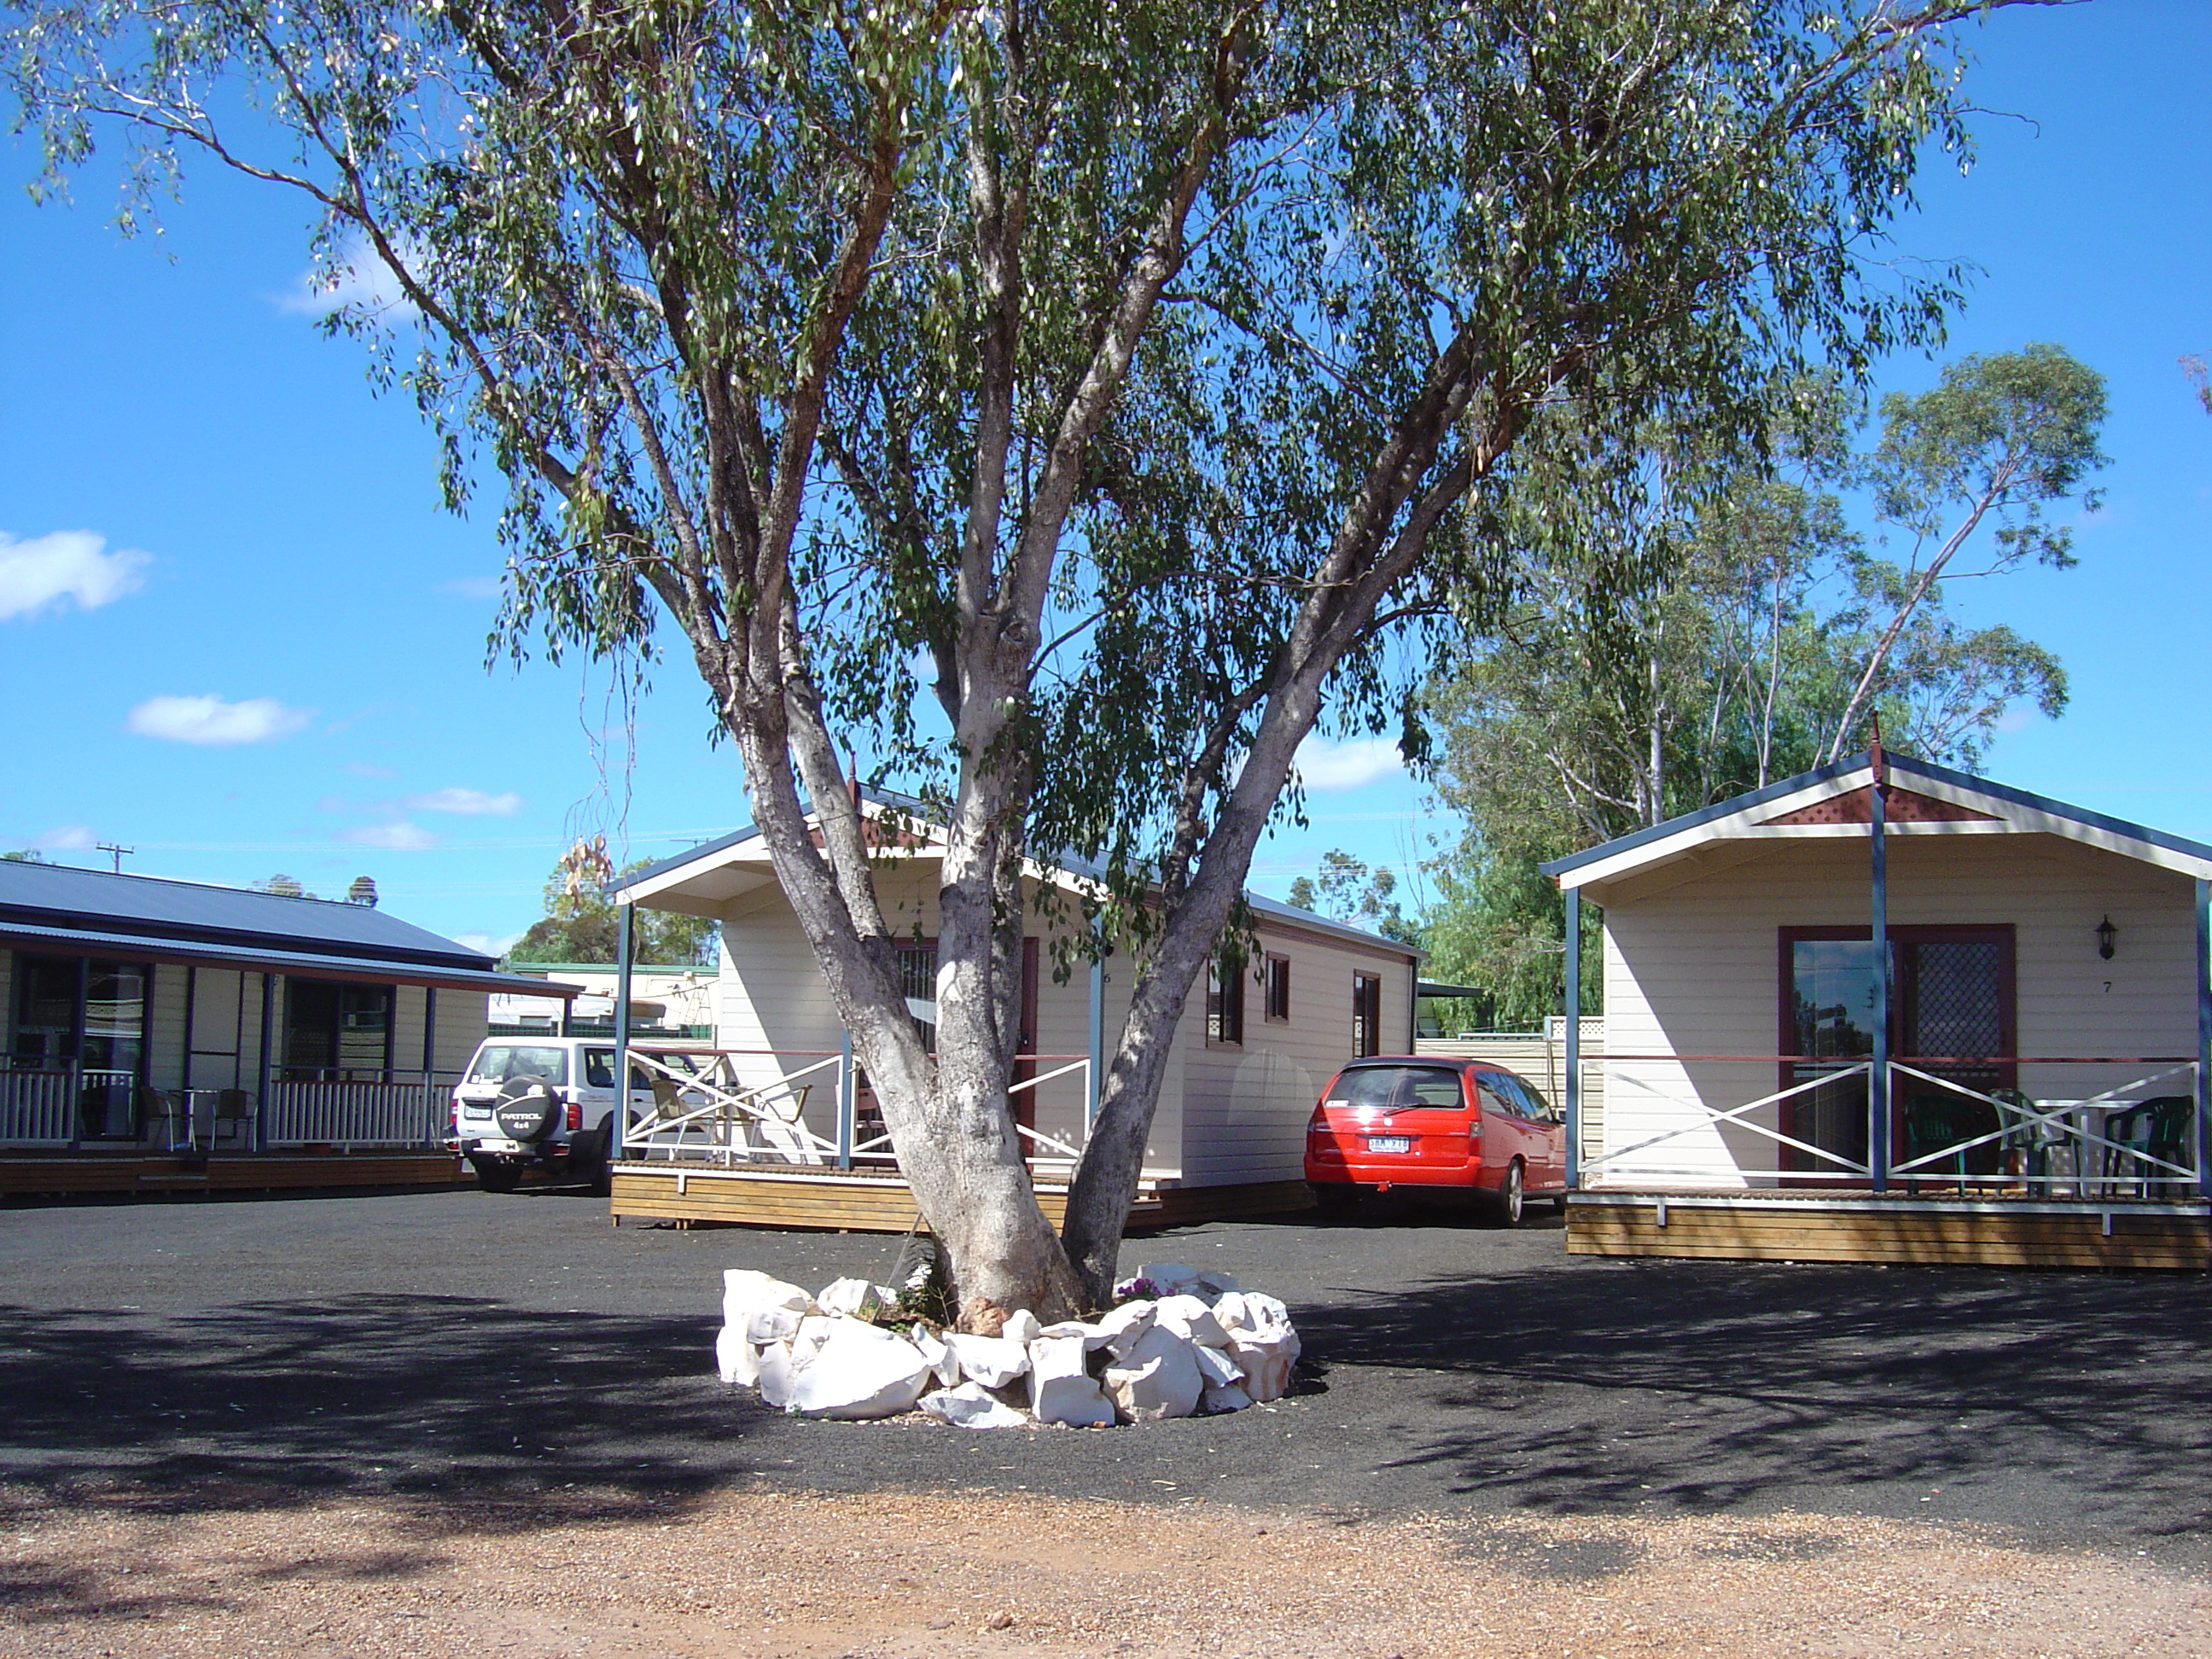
1349 765
399 837
69 838
472 587
357 279
467 803
70 564
212 721
492 945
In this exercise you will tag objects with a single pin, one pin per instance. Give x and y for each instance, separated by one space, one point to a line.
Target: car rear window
1399 1088
498 1061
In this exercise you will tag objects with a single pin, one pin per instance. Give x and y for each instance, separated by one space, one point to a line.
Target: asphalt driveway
458 1342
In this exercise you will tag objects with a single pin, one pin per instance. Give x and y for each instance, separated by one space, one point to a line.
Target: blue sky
281 665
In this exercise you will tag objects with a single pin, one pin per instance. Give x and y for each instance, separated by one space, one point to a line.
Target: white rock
779 1375
1121 1327
861 1370
737 1359
1168 1277
854 1296
1189 1318
932 1347
1224 1397
1157 1376
1228 1310
1266 1358
971 1406
1022 1327
744 1291
1217 1368
1265 1312
766 1325
1093 1336
994 1361
806 1341
1061 1388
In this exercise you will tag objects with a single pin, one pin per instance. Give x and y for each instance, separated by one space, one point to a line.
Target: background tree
580 924
1694 627
25 855
1346 889
1145 369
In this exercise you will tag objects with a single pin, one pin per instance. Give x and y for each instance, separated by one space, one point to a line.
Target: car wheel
599 1171
1510 1202
1336 1201
496 1177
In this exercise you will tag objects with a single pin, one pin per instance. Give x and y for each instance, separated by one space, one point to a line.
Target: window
917 971
501 1060
1278 988
1400 1088
598 1068
1366 1014
1224 998
331 1028
91 1012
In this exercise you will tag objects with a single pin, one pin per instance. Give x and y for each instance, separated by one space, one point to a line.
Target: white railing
38 1109
409 1109
733 1113
2127 1140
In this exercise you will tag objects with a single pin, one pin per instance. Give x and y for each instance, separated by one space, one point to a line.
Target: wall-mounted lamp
2105 934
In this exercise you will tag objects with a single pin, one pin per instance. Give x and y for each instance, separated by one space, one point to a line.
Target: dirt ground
123 1572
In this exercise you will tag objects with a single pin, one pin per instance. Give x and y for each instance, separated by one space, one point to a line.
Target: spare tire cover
527 1109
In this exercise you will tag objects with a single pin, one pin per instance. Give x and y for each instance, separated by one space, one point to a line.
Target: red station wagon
1434 1126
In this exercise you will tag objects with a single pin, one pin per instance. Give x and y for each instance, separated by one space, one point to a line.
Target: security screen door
1951 1014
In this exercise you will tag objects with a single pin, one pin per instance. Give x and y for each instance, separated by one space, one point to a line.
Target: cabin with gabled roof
1889 1009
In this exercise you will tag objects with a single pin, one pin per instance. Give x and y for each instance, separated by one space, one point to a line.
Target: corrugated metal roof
164 948
58 895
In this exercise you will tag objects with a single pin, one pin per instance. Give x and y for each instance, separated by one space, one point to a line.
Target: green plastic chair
1935 1121
2157 1128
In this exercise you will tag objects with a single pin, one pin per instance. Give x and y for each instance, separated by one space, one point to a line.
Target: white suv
550 1100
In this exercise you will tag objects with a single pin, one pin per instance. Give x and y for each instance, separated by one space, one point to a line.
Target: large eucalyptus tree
1143 369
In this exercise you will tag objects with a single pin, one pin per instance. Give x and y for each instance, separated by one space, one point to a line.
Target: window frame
1277 979
1366 1015
1225 1000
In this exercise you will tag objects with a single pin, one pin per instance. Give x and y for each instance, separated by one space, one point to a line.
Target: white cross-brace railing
1735 1114
723 1109
2052 1119
2052 1116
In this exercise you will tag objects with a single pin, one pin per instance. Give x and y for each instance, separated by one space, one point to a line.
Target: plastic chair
1933 1122
2156 1128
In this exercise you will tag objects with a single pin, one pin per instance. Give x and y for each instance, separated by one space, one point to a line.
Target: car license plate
1389 1143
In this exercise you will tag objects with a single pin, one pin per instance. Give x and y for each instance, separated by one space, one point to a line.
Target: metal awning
1430 987
300 964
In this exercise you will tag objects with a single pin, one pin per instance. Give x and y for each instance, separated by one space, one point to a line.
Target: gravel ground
327 1416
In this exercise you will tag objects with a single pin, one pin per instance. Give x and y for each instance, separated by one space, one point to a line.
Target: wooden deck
1848 1226
27 1175
864 1202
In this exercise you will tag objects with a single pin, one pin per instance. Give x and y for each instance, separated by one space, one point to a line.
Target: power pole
109 846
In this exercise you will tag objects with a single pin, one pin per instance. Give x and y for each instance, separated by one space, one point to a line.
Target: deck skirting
63 1175
1923 1231
858 1201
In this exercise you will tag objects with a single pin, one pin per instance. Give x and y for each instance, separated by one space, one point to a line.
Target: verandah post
625 921
1878 1075
2204 1037
846 1104
1574 898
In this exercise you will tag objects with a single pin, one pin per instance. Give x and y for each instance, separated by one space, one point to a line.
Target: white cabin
1248 1061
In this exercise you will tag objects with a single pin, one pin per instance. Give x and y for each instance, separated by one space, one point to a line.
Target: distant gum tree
1133 375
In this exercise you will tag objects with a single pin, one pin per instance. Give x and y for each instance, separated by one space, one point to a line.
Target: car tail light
575 1115
454 1115
1474 1130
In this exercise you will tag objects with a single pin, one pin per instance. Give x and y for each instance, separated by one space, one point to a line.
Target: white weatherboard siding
772 997
1691 967
1246 1107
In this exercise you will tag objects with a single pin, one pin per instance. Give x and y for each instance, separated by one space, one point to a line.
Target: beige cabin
2035 1029
1249 1059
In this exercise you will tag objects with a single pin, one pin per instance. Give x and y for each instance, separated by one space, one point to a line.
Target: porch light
2105 934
